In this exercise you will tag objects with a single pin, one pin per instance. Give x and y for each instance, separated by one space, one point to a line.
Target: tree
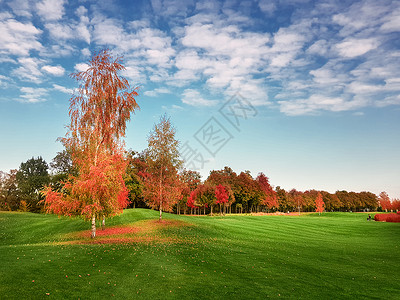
190 180
133 178
228 178
269 197
99 112
222 196
9 194
246 191
62 167
319 204
202 196
161 181
384 201
31 177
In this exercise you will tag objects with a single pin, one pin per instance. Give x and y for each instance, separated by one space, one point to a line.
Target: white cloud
355 47
62 89
60 31
32 95
194 98
156 92
19 38
71 30
267 6
50 10
29 70
86 52
21 8
81 67
320 47
392 22
314 104
54 70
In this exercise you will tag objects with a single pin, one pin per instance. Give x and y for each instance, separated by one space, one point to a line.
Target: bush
395 218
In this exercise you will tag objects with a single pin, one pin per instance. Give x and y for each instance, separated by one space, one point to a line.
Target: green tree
31 177
61 168
133 180
9 194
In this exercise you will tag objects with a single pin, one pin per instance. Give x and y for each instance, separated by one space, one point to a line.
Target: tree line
183 192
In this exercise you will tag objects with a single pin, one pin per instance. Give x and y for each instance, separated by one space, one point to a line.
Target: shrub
395 218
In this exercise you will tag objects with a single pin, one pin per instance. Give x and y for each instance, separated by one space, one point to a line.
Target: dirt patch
147 231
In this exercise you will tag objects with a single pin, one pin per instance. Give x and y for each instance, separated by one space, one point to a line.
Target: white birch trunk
93 227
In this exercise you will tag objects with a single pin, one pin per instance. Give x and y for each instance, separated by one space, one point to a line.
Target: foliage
392 217
221 195
269 196
9 194
319 204
384 201
162 187
31 177
189 180
99 112
133 180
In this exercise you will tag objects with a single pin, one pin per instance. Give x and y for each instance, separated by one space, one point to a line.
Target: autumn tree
190 180
99 112
268 196
222 196
319 204
384 201
161 181
202 196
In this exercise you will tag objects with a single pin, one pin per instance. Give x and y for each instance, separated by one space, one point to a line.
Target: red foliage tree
99 112
384 201
222 196
319 204
268 196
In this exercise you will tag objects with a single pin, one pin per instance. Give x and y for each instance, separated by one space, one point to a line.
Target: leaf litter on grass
145 231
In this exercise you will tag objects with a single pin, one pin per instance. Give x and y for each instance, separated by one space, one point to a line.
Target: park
335 255
206 150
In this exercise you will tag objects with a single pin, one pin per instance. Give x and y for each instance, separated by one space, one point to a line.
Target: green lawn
336 255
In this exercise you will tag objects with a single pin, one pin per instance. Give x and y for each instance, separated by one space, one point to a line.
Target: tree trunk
161 196
103 223
211 209
93 227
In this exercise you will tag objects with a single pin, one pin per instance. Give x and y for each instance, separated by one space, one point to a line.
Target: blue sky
305 91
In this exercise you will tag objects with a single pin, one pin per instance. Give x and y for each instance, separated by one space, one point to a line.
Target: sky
305 91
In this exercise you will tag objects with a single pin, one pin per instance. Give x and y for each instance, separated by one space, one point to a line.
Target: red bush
395 218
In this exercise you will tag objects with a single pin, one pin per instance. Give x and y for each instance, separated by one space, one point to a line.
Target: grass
336 255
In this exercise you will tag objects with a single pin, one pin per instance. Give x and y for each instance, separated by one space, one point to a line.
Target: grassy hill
336 255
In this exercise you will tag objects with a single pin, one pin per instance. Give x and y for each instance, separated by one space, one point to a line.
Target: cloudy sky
305 91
